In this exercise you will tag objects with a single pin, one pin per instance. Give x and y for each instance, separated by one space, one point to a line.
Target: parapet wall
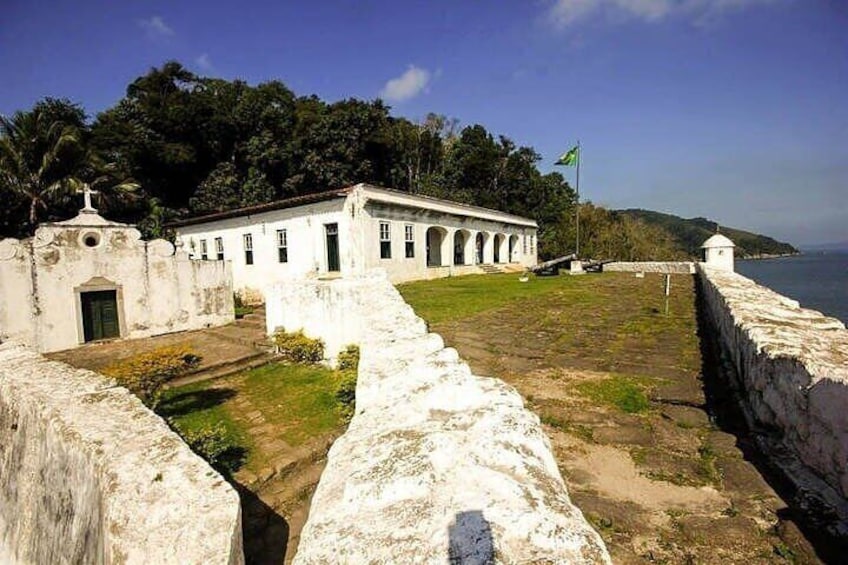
437 465
89 475
666 267
792 364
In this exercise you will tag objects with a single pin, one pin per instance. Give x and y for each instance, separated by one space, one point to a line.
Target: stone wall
158 289
437 465
670 267
89 475
792 367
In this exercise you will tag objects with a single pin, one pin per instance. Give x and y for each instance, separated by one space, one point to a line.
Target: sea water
816 279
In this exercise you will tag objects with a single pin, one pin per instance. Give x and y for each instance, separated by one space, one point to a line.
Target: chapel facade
349 231
90 279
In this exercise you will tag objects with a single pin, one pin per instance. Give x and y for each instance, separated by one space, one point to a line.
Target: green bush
298 348
349 358
346 393
145 374
214 444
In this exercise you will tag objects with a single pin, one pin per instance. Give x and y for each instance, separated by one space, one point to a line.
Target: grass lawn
296 401
609 322
442 300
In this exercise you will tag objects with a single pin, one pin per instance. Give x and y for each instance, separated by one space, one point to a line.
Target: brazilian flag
570 157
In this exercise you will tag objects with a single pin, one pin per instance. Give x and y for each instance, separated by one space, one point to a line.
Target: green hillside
692 232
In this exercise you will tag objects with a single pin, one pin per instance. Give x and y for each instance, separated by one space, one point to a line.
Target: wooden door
333 263
100 315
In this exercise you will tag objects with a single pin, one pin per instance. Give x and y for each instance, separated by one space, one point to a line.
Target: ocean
816 279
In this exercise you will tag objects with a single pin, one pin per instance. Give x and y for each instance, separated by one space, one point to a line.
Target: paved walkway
223 350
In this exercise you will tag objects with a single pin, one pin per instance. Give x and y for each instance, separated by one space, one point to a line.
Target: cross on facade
87 192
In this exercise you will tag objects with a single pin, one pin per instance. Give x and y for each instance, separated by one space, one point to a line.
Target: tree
41 151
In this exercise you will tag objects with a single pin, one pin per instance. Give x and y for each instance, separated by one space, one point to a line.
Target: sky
735 110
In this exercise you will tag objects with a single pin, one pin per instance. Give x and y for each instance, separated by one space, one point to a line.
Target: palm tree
43 158
37 157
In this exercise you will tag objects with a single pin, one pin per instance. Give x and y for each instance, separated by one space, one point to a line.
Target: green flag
569 158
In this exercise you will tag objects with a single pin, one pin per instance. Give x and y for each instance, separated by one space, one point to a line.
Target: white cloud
563 13
155 27
408 85
204 62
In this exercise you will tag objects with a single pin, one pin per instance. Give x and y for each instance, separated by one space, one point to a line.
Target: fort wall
90 475
438 464
791 364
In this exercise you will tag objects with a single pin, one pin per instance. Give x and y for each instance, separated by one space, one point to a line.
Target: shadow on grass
265 532
187 402
725 399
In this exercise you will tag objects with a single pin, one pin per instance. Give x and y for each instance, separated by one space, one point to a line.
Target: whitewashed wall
89 475
670 267
159 289
307 250
359 215
437 465
793 369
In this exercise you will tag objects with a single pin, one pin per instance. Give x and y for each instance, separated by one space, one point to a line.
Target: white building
718 252
351 230
89 279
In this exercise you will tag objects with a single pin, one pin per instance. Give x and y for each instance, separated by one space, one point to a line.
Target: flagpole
577 211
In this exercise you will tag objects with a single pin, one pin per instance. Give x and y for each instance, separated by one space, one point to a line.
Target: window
532 244
409 237
385 241
282 246
204 250
248 249
524 247
219 248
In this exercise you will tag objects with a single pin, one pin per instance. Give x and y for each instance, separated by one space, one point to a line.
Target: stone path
276 499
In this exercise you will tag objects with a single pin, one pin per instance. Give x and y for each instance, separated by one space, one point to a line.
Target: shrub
241 309
298 348
349 358
145 373
214 444
346 393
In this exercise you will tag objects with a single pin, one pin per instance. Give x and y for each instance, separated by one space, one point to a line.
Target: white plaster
718 252
359 212
89 475
667 267
159 290
793 366
437 464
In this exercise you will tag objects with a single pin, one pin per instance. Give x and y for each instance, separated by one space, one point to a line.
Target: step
224 369
242 335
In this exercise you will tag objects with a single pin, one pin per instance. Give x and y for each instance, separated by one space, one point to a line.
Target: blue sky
732 109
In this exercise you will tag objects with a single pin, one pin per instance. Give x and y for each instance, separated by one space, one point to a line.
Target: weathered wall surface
670 267
793 366
159 290
438 465
89 475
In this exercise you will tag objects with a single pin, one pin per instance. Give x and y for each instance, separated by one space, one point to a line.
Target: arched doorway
499 239
479 244
460 240
435 240
513 244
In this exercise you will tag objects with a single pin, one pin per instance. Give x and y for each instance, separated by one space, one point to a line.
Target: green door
332 247
100 315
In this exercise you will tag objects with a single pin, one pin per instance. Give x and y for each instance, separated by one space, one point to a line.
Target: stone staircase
490 269
248 331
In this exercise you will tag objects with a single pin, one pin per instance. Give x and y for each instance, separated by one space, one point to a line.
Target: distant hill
691 233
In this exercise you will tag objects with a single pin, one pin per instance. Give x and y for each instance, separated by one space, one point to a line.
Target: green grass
627 393
199 405
298 400
452 298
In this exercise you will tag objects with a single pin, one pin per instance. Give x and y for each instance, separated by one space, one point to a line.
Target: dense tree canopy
196 145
